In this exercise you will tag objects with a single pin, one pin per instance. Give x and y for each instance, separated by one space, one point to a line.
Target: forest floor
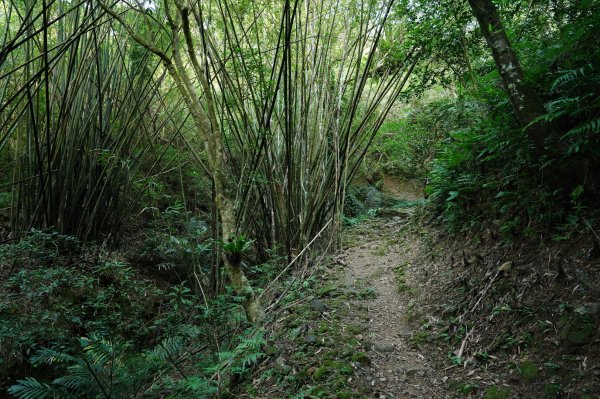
397 369
349 336
376 253
404 311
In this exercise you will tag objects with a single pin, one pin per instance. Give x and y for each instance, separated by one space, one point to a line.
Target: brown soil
410 190
397 370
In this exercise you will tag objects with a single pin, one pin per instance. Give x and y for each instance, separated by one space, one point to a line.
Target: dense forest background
170 170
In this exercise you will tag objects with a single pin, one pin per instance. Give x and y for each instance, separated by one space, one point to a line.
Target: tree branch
163 56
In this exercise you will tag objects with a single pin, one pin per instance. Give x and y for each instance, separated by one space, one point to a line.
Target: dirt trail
396 371
350 337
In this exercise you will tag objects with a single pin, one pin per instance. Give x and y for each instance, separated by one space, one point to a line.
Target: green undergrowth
76 321
364 202
486 172
401 283
406 144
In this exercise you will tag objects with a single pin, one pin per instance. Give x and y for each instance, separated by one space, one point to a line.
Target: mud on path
375 256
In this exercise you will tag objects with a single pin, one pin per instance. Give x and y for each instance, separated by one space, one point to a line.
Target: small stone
310 339
505 267
281 366
384 348
318 306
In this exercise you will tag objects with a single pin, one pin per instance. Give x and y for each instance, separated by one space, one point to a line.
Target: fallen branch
295 259
463 344
484 292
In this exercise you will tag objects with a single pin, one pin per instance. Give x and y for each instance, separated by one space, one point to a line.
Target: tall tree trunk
524 100
208 128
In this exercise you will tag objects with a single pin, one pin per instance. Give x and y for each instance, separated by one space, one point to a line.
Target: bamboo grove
280 101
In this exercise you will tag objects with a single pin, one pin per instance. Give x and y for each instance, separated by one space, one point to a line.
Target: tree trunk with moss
524 100
568 171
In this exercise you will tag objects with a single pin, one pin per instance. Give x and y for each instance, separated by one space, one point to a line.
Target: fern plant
575 104
103 370
237 245
240 358
99 372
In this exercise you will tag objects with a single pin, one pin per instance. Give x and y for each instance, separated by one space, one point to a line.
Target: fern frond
98 359
199 386
103 353
50 356
169 348
77 378
226 355
592 127
251 358
30 388
569 76
73 383
189 331
562 103
466 181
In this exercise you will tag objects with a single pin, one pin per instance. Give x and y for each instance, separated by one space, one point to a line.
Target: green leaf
452 195
30 388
